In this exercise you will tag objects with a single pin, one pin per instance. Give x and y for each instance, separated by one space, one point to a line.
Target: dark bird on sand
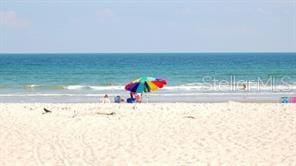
46 111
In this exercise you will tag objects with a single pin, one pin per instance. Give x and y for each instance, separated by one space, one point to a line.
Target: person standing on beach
105 99
244 86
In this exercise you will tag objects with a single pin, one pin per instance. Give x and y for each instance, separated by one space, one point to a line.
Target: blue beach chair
117 99
130 100
284 99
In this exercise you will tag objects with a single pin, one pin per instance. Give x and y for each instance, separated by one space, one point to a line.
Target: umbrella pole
147 98
143 97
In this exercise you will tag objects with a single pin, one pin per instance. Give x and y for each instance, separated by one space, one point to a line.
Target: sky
94 26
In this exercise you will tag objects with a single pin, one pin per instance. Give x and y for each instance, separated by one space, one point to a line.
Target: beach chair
284 99
130 100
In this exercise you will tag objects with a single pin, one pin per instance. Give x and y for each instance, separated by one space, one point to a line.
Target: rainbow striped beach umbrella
145 84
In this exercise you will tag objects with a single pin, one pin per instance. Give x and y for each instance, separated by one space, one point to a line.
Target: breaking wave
190 87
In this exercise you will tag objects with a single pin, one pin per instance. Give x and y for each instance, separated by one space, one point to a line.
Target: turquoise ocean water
190 76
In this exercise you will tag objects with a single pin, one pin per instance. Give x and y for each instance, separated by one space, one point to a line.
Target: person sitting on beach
132 98
138 98
105 99
117 99
132 95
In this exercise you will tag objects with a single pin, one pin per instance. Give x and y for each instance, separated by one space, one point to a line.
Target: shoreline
149 98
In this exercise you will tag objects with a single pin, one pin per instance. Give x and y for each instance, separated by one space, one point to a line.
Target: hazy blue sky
147 26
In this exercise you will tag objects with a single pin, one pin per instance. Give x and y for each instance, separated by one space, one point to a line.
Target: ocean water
190 76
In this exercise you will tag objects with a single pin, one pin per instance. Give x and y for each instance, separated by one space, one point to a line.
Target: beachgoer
133 95
105 99
132 98
138 98
244 86
117 99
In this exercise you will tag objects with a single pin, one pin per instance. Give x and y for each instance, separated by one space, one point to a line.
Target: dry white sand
148 134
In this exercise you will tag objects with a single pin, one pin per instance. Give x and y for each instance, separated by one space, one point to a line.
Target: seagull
46 111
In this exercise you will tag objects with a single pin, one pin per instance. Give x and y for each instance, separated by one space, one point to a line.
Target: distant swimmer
244 87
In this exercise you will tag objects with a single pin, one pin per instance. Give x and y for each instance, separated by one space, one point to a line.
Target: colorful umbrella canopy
145 84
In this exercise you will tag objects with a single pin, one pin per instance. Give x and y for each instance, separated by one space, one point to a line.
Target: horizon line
142 52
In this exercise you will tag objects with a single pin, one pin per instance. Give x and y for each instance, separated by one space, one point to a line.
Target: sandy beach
148 134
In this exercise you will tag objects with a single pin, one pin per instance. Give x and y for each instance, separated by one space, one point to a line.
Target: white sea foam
146 94
230 88
32 86
74 87
190 87
106 87
100 88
